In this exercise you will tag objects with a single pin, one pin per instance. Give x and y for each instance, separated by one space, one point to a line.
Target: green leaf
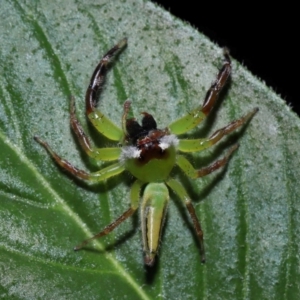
250 211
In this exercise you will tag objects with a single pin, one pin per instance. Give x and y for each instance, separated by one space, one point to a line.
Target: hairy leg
98 119
189 170
184 197
134 196
190 145
197 115
103 174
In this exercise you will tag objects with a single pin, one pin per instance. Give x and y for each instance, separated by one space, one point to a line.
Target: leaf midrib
120 270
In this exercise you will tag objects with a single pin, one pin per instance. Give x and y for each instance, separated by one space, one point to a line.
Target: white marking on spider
129 152
167 141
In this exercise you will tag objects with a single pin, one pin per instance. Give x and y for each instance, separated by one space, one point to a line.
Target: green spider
149 154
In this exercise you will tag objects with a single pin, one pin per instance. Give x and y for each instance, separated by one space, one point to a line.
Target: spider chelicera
149 154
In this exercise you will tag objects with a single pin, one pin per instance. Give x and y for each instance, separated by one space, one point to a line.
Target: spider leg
103 174
190 145
189 170
104 154
134 196
184 197
197 115
126 109
98 119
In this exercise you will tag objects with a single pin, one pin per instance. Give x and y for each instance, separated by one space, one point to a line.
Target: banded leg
181 192
98 76
189 170
197 115
134 196
104 154
103 174
201 144
99 120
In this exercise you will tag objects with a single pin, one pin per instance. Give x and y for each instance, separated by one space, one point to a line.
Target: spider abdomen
153 212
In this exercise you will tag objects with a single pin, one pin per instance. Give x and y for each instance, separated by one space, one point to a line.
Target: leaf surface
249 211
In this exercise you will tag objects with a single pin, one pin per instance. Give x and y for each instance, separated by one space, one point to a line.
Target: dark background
264 38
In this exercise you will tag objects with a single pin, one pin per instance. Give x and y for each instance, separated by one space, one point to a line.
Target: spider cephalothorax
149 154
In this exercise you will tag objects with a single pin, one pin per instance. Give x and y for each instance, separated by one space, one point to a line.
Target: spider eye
136 131
148 122
133 128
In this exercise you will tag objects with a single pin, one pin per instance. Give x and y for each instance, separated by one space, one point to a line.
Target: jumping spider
149 154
